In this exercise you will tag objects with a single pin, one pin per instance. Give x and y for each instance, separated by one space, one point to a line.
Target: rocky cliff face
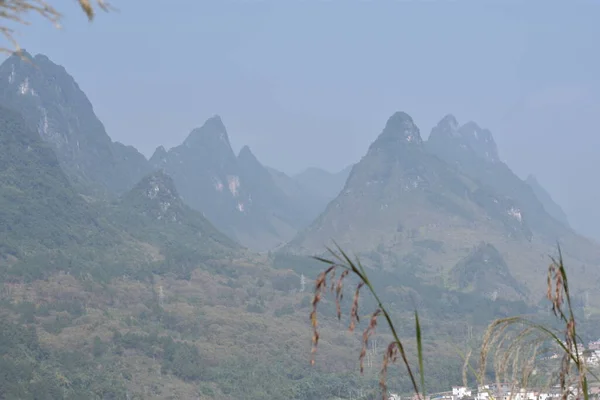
236 193
54 106
473 151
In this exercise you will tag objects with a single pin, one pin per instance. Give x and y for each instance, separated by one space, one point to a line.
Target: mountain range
125 277
428 201
424 205
237 193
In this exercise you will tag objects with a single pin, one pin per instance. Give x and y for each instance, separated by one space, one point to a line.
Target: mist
169 170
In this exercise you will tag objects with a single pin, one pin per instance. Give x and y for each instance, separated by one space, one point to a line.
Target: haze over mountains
427 204
237 193
150 254
256 205
404 190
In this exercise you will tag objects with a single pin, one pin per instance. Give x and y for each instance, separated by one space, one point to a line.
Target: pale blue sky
313 82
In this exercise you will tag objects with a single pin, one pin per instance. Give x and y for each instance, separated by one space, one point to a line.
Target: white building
458 392
496 391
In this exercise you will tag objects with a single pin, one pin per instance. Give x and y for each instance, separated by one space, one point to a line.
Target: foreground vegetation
511 344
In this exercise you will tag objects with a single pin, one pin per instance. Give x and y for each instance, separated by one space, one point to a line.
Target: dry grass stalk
516 351
513 341
366 335
466 367
394 349
390 357
88 7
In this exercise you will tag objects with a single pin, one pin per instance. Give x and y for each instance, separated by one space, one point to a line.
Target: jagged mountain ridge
474 152
397 171
236 193
43 218
404 199
397 165
54 105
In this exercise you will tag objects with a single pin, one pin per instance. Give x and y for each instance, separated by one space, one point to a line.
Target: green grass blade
420 352
323 260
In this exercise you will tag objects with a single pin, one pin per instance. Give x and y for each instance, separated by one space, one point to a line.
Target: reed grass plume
512 344
514 336
395 349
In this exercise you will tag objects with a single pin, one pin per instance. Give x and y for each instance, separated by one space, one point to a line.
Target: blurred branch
17 10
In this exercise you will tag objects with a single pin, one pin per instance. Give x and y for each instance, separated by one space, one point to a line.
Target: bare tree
16 11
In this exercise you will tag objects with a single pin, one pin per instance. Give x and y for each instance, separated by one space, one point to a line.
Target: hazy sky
313 82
